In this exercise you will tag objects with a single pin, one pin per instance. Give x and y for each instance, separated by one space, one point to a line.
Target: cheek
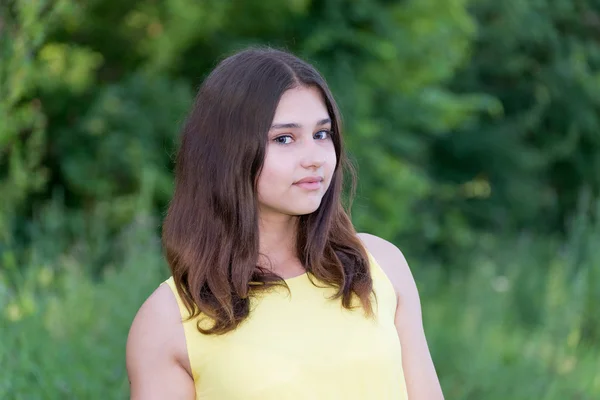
275 175
331 160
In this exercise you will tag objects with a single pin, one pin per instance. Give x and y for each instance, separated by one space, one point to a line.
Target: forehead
301 104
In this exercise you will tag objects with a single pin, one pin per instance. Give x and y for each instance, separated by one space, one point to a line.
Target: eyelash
329 133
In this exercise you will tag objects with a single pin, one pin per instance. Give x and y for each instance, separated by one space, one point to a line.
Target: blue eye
327 133
279 141
287 139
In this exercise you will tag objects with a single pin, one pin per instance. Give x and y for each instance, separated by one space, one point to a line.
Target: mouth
310 183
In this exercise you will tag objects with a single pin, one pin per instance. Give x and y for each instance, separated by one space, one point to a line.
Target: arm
157 361
421 378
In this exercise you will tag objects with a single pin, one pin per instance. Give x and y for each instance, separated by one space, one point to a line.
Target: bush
517 322
520 322
63 331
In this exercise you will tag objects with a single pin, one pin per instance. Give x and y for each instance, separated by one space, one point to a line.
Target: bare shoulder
156 354
419 372
156 320
392 262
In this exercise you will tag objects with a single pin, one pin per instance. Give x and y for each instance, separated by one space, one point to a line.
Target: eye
325 134
284 139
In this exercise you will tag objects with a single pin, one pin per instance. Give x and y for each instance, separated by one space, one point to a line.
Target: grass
516 320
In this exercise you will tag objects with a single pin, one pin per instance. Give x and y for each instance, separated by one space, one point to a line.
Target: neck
277 238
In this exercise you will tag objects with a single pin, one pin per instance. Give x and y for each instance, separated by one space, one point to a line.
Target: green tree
116 78
541 60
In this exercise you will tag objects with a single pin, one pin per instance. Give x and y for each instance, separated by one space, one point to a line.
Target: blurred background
475 125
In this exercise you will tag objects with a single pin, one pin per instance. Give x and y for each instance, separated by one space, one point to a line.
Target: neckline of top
295 278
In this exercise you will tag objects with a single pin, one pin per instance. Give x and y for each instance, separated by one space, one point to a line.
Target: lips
310 179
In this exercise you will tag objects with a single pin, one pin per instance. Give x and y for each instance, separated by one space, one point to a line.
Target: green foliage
541 60
116 87
519 323
22 128
502 328
63 332
474 125
123 141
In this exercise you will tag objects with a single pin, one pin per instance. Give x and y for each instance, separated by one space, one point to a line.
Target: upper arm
421 378
156 351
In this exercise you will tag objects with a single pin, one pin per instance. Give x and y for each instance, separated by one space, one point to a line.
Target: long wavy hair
210 232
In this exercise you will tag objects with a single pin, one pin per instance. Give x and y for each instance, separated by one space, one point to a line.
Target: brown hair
210 233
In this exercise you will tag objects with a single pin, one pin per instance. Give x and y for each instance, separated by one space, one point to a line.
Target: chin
299 214
308 209
293 208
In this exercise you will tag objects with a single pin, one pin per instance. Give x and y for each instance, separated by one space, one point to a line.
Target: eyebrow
293 125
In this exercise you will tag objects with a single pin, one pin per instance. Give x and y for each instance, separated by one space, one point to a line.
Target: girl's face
300 157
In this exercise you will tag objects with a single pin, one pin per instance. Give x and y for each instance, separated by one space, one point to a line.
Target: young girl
273 294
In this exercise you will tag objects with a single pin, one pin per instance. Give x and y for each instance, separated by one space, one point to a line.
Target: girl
273 294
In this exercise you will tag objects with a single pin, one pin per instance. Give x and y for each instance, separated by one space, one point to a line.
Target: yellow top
302 346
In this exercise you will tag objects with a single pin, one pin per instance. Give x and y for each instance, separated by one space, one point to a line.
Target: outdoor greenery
475 126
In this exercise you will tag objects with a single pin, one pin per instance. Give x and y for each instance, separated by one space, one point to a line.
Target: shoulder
419 372
157 325
156 341
392 262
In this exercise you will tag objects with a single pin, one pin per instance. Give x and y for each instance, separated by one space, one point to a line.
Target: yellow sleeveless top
301 346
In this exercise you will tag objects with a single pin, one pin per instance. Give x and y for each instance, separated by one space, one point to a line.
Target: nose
313 155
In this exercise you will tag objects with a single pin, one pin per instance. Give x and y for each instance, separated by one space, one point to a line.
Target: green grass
517 320
64 333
